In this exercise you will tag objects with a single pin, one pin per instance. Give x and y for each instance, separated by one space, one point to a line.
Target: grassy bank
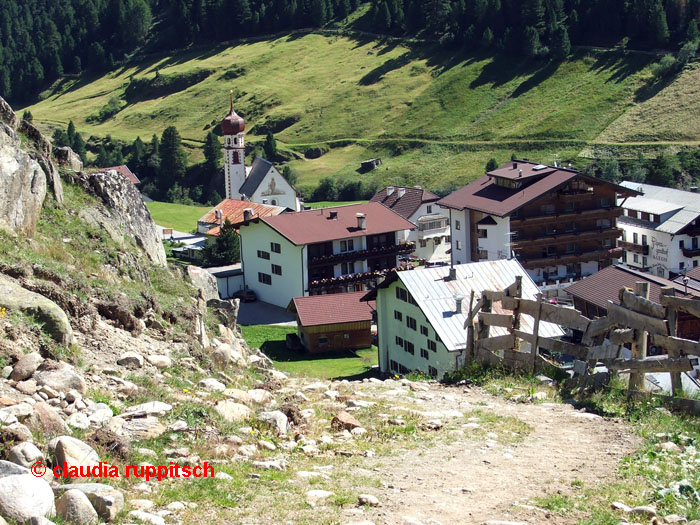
178 216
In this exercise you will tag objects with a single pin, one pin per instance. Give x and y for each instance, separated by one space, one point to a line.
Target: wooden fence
635 321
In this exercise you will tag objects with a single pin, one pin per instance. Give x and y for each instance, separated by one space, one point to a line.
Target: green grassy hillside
434 117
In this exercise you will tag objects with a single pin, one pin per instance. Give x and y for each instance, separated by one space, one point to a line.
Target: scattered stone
23 497
266 445
47 419
7 468
368 499
669 446
79 420
240 396
359 431
433 424
314 497
63 378
75 508
106 500
344 421
99 413
14 432
303 474
270 465
25 454
176 505
223 475
232 412
137 428
153 408
644 510
26 366
76 453
276 419
212 385
160 361
618 505
397 422
146 517
177 426
260 396
141 504
27 387
131 360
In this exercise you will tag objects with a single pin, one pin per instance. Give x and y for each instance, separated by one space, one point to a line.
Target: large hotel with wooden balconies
560 224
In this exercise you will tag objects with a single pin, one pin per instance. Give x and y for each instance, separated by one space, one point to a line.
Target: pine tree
491 165
533 14
137 157
561 47
319 13
383 17
78 147
70 131
658 25
173 159
225 249
531 42
60 139
212 154
102 159
692 34
487 38
270 146
27 115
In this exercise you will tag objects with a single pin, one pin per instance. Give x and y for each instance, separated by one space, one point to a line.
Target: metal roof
687 203
436 297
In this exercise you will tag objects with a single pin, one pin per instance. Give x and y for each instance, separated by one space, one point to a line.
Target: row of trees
667 169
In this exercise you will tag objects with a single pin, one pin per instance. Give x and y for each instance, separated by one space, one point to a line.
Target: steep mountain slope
436 116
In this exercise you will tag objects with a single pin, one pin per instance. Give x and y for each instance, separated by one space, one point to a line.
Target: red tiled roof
233 211
604 286
484 195
408 203
312 226
316 310
124 170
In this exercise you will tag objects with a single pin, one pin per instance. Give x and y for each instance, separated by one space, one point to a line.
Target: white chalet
421 314
314 252
660 230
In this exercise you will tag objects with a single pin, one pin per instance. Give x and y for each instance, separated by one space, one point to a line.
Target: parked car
247 295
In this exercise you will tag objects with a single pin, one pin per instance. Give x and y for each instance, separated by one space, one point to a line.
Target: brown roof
604 286
408 203
335 308
233 211
123 170
484 195
312 226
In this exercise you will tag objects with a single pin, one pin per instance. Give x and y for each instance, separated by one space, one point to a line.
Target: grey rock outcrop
67 157
125 213
7 115
62 378
106 500
22 185
14 297
205 281
75 507
52 177
26 366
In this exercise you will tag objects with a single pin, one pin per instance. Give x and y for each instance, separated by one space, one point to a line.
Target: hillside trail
462 480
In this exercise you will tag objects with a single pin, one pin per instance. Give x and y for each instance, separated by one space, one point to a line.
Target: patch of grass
328 204
271 340
559 503
178 216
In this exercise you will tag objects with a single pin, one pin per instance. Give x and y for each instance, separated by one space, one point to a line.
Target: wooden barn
334 322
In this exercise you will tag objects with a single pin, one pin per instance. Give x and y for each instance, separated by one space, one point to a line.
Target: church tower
233 127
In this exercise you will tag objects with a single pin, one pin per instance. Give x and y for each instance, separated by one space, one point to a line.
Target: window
322 340
570 206
645 216
276 269
437 240
274 202
635 238
624 257
681 265
458 225
483 233
401 294
602 223
660 271
681 244
347 246
422 243
548 209
346 336
347 268
459 245
424 353
432 371
550 229
604 203
605 243
635 258
432 345
644 262
275 247
423 330
399 341
695 263
409 347
264 278
263 255
398 315
624 236
644 240
483 254
394 365
429 208
411 322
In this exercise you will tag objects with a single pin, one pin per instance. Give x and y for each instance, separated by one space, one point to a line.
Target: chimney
248 214
453 274
458 303
219 216
264 201
389 191
515 165
520 173
402 192
361 221
333 214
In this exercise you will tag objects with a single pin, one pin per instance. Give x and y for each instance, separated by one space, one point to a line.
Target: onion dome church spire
233 127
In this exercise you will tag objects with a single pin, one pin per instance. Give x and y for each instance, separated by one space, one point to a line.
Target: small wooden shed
334 322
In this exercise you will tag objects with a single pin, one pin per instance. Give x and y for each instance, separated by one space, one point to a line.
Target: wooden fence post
516 313
536 333
672 317
639 348
483 329
470 330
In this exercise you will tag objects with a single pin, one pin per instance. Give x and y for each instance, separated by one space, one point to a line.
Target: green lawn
271 340
182 218
328 204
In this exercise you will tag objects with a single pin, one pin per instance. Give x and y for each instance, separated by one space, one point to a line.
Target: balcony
569 258
690 252
632 247
592 213
354 278
337 258
565 236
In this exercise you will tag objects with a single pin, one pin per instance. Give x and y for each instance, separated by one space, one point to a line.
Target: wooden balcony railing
637 248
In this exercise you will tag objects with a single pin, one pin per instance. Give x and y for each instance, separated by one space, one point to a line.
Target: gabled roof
316 310
435 296
486 196
604 286
660 200
408 203
255 177
123 170
233 211
313 226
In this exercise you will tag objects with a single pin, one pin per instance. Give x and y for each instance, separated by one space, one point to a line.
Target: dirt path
464 481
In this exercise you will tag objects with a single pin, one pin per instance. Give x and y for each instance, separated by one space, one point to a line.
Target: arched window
274 202
235 157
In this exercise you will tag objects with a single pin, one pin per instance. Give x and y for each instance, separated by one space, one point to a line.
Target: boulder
14 297
344 421
240 396
14 413
75 508
316 496
67 157
53 179
14 432
25 454
47 419
26 366
276 419
62 378
260 396
211 384
22 185
137 428
146 517
106 500
7 114
23 497
76 453
40 143
205 281
160 361
152 408
131 360
232 412
8 468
